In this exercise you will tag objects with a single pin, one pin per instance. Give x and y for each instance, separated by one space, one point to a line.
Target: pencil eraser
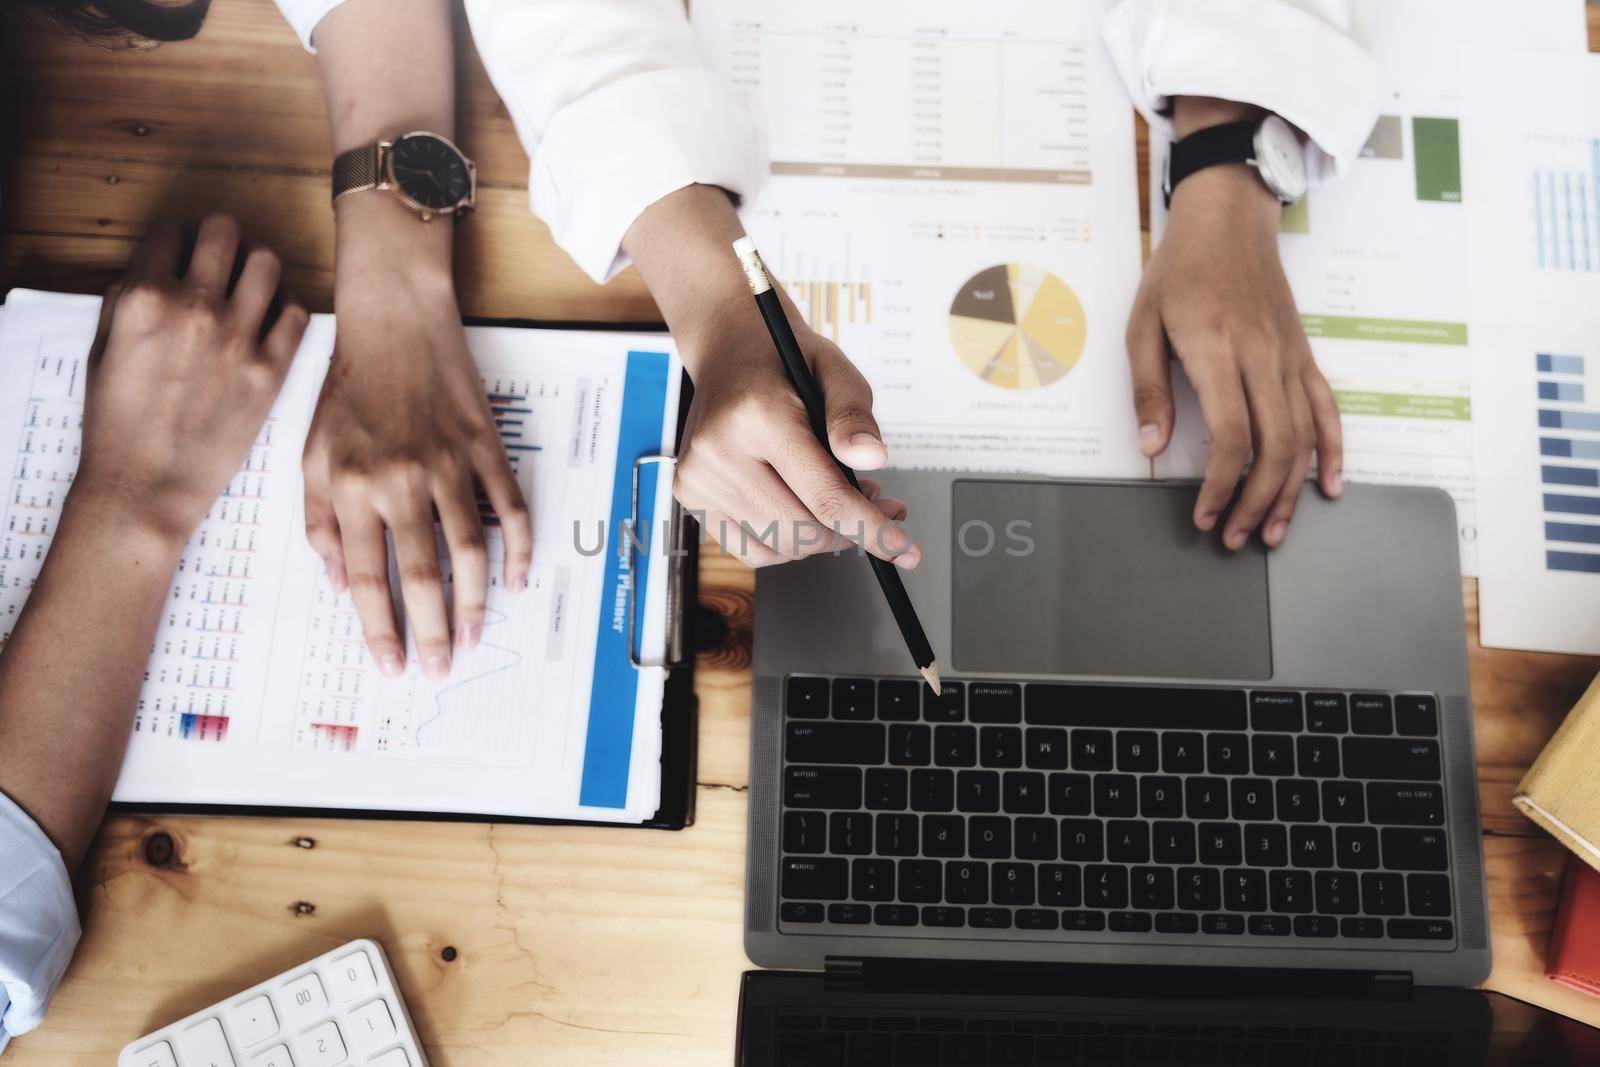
744 246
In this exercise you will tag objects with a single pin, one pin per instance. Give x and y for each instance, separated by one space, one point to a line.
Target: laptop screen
796 1020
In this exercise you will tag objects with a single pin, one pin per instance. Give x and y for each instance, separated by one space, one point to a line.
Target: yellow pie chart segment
1017 327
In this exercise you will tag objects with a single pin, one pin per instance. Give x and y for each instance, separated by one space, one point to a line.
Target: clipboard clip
628 545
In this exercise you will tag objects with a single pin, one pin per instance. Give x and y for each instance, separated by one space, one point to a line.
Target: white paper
1534 167
260 690
954 201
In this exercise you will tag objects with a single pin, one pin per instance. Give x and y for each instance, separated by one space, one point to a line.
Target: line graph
443 700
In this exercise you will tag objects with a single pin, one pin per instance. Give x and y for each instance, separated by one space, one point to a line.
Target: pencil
794 362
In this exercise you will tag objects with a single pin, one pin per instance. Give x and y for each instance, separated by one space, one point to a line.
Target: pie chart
1017 327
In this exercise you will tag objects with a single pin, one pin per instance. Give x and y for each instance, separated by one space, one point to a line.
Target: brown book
1561 791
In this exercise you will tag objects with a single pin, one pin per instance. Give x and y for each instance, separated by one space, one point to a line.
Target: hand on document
1214 295
182 375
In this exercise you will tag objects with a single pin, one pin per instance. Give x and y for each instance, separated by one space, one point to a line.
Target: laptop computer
1149 752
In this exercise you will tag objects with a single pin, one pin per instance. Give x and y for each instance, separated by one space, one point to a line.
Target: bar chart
1568 389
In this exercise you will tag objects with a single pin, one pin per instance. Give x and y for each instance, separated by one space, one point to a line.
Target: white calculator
338 1009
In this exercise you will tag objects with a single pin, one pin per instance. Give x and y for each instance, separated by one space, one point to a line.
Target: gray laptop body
1036 581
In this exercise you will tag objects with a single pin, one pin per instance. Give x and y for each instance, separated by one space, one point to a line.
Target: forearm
71 672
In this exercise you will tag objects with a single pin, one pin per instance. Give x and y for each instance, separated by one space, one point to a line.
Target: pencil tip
931 673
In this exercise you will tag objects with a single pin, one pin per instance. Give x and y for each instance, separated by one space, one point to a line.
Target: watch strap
1231 142
355 171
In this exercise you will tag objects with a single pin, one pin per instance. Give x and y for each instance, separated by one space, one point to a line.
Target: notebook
260 693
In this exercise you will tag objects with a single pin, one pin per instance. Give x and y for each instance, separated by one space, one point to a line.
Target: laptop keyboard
1055 810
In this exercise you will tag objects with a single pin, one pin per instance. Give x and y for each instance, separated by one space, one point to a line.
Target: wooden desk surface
572 946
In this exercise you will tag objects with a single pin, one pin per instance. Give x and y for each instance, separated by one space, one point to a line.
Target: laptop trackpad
1116 581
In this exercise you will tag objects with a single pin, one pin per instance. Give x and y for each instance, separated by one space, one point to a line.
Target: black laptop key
910 745
1176 922
1421 929
1318 757
1128 841
849 914
1128 922
1220 844
966 882
815 878
978 792
894 915
1037 919
1136 707
1082 839
1036 839
898 835
1227 754
1060 885
989 837
933 790
1046 749
1403 759
1276 712
795 911
1244 890
1311 846
1080 920
1342 802
834 742
872 880
1022 793
869 1048
1151 888
1337 892
1272 754
900 701
1183 752
1137 750
1416 715
1173 842
1205 798
805 832
1357 847
942 916
1413 850
994 702
1091 750
1361 927
1383 893
850 833
1222 924
1199 889
1116 795
822 787
853 698
920 881
1069 794
1000 747
1013 884
1327 713
944 836
1105 886
990 918
807 698
1428 894
1315 926
1252 798
1297 800
1290 891
1405 803
1371 713
948 705
955 746
1266 845
1160 796
887 788
1269 926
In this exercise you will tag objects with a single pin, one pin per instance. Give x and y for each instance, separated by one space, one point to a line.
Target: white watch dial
1281 159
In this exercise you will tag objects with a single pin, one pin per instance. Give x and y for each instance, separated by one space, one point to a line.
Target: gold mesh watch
427 172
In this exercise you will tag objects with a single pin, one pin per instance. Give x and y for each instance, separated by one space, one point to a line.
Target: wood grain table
513 944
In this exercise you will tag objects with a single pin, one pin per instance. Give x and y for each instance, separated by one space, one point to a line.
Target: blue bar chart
1568 390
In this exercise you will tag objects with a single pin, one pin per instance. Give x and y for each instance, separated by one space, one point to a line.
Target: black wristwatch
1270 146
430 175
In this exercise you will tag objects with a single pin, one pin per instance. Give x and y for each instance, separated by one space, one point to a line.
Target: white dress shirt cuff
38 921
304 15
613 152
1270 53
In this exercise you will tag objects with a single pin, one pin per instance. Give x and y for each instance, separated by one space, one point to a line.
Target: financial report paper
259 689
953 200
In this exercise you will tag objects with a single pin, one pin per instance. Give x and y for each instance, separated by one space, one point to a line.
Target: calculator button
372 1023
204 1045
276 1056
157 1055
253 1021
322 1046
305 999
393 1058
352 977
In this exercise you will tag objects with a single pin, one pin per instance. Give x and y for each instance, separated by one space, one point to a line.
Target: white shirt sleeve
616 110
38 921
1296 58
304 15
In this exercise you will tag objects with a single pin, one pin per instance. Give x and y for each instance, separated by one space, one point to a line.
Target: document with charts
1535 162
259 689
1378 260
953 201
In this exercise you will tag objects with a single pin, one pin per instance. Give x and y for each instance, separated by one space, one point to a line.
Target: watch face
1281 159
430 171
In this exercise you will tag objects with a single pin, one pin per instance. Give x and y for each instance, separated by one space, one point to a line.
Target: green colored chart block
1437 143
